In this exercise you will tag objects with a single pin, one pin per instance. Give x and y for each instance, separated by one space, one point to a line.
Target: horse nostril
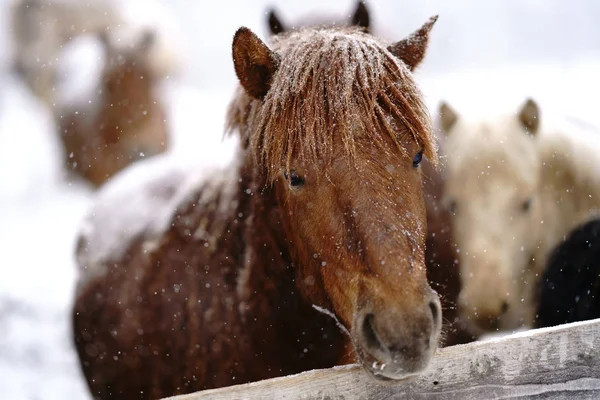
370 337
504 307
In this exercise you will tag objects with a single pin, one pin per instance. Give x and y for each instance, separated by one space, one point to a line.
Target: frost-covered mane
331 82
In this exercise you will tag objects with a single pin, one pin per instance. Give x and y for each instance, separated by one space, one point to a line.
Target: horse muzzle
397 344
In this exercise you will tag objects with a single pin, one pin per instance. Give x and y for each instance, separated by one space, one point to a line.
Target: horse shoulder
127 208
165 276
143 202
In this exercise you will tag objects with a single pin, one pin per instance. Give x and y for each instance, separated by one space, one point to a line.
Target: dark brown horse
307 252
440 253
129 121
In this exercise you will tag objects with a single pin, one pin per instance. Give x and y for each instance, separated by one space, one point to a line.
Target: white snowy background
484 55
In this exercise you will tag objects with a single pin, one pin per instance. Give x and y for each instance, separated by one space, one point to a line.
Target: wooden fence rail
557 363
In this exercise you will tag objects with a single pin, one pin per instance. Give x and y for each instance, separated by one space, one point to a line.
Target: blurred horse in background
284 261
516 189
40 29
124 119
441 257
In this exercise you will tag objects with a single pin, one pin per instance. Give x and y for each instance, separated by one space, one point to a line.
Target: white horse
515 187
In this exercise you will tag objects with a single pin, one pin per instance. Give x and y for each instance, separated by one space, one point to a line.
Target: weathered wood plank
560 362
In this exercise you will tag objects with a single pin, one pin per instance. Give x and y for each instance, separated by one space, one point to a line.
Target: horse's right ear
529 116
275 25
448 117
255 64
361 16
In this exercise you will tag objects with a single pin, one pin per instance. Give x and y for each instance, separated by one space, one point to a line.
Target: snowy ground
40 211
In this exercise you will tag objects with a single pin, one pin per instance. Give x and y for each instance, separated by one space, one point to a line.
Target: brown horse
306 252
440 253
360 18
127 124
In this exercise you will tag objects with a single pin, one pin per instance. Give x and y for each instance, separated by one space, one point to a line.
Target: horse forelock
331 84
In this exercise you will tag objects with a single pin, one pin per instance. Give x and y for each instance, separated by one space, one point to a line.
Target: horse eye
526 205
417 159
294 179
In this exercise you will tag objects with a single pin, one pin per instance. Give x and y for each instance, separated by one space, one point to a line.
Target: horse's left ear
361 16
255 64
529 116
412 49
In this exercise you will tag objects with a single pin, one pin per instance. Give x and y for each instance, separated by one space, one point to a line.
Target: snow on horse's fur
516 185
237 281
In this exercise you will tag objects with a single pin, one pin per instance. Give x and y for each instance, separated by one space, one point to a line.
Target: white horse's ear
529 116
448 117
255 64
412 49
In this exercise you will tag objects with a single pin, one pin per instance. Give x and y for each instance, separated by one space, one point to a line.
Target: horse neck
267 282
267 261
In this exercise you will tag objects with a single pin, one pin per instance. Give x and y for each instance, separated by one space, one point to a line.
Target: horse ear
448 117
412 49
255 64
275 25
361 16
529 116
